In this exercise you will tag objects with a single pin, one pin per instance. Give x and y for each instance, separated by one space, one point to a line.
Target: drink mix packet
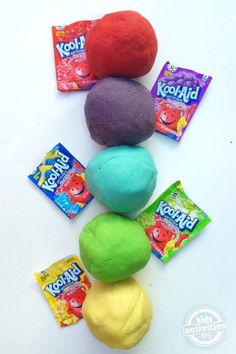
172 221
72 70
65 286
176 94
62 178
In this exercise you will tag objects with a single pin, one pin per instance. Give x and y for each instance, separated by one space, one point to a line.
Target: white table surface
199 35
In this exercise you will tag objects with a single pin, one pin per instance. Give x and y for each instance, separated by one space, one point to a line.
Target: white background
199 35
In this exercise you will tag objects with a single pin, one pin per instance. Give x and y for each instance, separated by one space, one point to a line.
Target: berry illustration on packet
62 178
65 285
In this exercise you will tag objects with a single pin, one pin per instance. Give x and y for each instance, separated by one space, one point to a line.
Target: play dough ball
118 314
121 44
122 177
113 247
119 111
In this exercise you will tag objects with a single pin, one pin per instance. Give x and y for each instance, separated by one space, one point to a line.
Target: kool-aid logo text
66 49
182 220
70 276
58 168
182 93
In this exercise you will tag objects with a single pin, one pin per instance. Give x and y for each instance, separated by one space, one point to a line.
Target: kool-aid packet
65 285
172 221
176 94
62 178
72 70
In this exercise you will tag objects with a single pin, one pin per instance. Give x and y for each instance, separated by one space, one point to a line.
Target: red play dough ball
121 44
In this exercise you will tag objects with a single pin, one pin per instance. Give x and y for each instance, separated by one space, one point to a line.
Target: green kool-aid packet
172 221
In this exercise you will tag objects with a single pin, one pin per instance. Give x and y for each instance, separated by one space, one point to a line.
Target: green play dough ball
113 247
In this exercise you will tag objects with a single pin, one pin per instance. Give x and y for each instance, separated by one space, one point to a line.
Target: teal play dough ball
122 178
113 247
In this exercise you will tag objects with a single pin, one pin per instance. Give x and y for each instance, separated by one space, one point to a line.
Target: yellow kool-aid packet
65 285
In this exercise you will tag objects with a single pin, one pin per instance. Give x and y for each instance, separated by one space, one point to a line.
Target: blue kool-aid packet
62 178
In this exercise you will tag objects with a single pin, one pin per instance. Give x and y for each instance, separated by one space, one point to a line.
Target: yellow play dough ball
118 314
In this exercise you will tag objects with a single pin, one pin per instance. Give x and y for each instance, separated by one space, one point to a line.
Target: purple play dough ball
119 112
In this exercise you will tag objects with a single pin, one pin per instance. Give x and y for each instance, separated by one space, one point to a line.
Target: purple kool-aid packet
176 93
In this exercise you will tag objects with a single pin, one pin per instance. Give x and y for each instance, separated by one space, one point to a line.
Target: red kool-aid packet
72 70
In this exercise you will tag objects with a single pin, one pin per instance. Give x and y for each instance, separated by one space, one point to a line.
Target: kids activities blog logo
204 327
